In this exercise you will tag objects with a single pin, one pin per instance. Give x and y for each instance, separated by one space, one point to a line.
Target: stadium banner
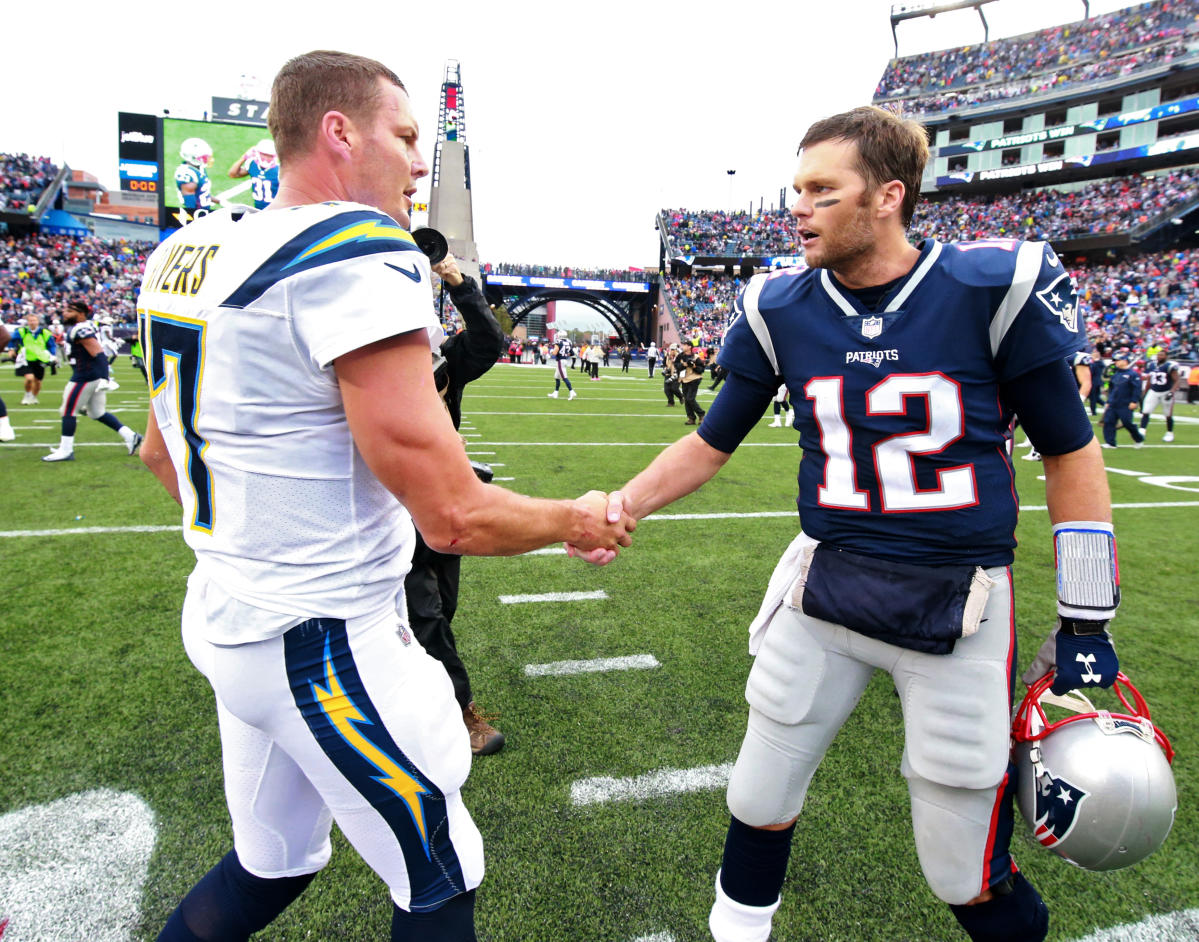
229 142
239 110
1173 145
1125 120
137 152
577 284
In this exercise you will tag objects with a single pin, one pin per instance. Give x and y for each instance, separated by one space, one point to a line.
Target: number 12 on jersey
892 455
177 348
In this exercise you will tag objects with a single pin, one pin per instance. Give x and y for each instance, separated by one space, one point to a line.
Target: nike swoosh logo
414 274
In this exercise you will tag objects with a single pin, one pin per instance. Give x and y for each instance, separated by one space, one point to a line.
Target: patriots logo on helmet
1057 297
1057 804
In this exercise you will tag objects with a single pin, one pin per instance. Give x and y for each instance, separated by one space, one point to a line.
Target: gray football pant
808 677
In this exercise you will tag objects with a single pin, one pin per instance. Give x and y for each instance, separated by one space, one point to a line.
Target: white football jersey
243 314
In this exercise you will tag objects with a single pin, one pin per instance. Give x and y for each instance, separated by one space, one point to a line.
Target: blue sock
111 421
755 863
454 921
230 904
68 425
1016 913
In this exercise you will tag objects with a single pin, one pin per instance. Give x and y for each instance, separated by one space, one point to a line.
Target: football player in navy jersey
906 365
261 164
1161 381
85 391
562 352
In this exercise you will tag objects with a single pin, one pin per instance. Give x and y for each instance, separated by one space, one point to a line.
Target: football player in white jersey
300 480
1161 381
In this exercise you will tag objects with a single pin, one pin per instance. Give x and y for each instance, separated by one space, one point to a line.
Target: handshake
606 526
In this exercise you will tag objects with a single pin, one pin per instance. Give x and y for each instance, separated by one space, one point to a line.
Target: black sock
452 922
755 863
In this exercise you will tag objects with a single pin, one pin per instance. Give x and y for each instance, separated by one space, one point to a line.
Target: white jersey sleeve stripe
754 318
1028 267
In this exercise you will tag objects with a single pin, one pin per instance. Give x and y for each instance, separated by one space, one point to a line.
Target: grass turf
101 694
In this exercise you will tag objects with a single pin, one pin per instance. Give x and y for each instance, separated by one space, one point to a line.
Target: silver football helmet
1095 788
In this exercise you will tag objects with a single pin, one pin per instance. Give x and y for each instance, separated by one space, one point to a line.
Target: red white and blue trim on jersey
902 428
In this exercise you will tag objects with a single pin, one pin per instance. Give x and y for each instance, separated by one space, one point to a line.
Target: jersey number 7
177 347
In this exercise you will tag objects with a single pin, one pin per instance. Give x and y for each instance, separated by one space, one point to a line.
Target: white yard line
553 597
604 788
594 666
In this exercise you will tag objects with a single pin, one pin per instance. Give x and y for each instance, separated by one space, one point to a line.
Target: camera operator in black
670 376
431 585
689 367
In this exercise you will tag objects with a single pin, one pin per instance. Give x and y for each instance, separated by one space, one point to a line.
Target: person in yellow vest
1193 384
35 351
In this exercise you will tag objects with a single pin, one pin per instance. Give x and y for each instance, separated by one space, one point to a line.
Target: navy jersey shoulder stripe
341 237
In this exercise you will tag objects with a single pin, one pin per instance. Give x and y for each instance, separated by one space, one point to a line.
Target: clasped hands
608 526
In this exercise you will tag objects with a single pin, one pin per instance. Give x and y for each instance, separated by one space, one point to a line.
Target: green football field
604 816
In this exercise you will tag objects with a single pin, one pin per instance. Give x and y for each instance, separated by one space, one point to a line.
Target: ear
889 198
336 134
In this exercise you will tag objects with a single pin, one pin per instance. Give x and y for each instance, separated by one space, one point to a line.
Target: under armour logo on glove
1084 661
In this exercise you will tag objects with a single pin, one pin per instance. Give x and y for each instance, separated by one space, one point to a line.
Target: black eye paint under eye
825 204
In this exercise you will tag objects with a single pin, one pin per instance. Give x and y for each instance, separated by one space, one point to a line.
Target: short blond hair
311 85
890 147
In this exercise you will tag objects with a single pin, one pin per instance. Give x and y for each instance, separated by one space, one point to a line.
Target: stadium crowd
1138 302
1112 205
566 271
40 273
1105 206
689 233
23 178
1116 43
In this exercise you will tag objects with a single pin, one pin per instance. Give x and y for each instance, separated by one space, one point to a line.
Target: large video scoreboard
150 152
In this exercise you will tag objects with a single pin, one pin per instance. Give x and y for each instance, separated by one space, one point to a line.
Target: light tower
450 209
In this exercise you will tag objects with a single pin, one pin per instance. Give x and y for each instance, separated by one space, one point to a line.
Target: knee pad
1015 913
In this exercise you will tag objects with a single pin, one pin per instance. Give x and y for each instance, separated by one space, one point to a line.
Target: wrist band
1088 574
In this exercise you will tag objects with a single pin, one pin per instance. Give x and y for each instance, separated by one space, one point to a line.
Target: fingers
616 507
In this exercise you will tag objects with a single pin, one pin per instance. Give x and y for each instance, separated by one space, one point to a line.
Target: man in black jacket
431 585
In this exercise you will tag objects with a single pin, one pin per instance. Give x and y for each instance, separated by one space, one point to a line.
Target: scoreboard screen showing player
210 164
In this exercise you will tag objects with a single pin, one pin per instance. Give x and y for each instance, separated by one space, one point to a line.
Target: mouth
807 238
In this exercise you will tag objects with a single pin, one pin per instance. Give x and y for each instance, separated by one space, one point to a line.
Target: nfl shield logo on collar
872 327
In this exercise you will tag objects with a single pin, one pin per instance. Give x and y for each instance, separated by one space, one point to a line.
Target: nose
801 208
419 167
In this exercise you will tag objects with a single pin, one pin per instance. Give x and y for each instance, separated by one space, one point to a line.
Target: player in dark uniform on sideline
1161 381
1123 394
191 177
562 353
85 391
907 365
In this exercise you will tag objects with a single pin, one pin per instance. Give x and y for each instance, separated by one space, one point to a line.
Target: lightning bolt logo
346 718
366 231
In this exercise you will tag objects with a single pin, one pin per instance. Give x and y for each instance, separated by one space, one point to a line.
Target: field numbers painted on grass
73 868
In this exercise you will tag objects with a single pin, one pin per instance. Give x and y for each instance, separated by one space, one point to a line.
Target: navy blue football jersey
565 349
1159 376
84 366
901 425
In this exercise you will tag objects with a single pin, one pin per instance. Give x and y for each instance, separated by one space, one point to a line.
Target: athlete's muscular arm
154 455
1076 485
407 439
92 346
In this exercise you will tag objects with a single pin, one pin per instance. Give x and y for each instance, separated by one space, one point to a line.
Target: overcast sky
582 119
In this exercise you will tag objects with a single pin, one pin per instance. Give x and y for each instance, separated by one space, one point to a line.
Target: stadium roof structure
930 8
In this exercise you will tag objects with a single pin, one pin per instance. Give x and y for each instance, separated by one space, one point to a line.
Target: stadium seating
22 180
1115 44
38 273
